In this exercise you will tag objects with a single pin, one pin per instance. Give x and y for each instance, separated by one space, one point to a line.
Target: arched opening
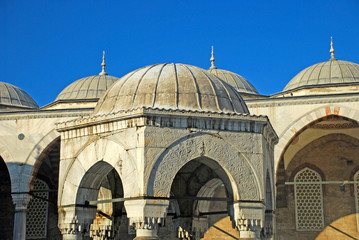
204 195
42 215
100 190
6 204
328 146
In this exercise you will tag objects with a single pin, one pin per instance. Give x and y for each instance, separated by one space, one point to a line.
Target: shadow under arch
236 170
6 205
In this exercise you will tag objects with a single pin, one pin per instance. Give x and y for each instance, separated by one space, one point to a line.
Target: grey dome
237 81
329 73
13 96
87 88
171 86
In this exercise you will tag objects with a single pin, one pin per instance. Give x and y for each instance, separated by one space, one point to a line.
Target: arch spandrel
243 178
102 150
301 122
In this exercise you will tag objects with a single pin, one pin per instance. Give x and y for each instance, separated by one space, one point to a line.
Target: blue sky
46 45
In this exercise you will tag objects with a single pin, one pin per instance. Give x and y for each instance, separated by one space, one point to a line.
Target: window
308 201
36 217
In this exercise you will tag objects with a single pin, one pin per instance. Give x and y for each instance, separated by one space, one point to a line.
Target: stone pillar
146 215
21 202
249 217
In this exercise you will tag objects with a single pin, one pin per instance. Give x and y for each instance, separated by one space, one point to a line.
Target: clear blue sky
47 44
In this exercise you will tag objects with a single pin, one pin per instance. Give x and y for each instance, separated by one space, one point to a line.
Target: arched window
356 193
308 201
36 217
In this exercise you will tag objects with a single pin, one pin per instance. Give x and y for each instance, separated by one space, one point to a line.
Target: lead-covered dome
237 81
13 96
171 86
91 87
329 73
326 74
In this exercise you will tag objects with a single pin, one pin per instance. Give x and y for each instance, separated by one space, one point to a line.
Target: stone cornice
163 118
303 100
38 114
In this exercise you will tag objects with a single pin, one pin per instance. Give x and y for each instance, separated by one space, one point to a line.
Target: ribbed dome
13 96
237 81
171 86
87 88
329 73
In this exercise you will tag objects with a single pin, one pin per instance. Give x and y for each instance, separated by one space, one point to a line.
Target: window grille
356 193
308 201
36 217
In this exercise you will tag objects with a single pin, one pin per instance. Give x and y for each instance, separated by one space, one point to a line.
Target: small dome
171 86
326 74
329 73
13 96
237 81
87 88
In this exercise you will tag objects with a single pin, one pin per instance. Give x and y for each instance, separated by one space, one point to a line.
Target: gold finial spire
332 49
103 64
212 60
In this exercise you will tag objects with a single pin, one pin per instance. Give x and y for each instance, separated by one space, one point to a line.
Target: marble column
21 202
146 215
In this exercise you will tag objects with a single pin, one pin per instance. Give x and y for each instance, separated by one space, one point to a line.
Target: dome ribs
155 89
139 82
176 84
213 90
198 93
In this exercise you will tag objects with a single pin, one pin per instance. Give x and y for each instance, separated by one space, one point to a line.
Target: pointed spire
332 49
212 60
103 64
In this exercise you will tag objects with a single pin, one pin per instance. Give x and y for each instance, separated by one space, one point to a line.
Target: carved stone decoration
267 230
248 217
72 227
103 229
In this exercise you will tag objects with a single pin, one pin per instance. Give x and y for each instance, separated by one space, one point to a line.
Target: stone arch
103 150
236 167
206 190
33 161
295 127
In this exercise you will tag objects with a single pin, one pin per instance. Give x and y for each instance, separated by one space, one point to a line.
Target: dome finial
332 49
212 60
103 64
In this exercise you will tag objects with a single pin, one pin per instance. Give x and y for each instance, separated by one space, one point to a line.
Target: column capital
146 215
248 219
21 201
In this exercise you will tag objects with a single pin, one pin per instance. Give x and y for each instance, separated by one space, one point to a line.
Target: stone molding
162 118
301 100
71 228
62 113
249 218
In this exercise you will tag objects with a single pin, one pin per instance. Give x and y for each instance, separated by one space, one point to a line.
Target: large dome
91 87
13 96
237 81
171 86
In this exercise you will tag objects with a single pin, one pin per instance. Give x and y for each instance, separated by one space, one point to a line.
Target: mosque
174 151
